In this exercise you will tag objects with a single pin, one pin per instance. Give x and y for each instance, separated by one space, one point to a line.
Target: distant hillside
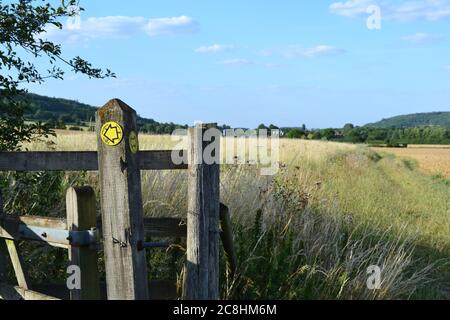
62 112
69 111
415 120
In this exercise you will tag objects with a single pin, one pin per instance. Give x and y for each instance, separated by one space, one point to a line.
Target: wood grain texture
81 161
48 161
201 280
122 211
161 160
81 216
160 227
36 221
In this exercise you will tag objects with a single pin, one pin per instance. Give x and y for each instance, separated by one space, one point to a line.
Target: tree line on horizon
394 137
57 113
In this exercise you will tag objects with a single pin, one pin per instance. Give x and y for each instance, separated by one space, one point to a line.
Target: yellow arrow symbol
112 133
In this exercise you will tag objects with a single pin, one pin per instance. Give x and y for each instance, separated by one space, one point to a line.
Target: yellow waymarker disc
134 143
111 133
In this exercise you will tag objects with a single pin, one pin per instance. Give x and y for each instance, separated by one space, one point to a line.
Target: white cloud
430 10
169 26
350 8
214 48
321 50
121 27
235 62
294 51
422 38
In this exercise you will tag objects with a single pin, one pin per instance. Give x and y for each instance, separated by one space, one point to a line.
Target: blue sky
243 63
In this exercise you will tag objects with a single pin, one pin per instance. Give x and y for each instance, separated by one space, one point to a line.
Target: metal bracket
122 244
65 237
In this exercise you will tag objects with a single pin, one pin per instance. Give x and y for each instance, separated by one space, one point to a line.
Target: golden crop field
432 159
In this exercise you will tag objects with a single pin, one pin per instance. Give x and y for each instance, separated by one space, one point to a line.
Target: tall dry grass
311 231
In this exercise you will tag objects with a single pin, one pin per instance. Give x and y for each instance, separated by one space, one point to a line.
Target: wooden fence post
202 266
121 202
226 234
81 216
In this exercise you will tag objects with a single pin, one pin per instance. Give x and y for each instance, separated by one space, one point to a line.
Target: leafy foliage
13 128
23 47
23 26
391 137
295 134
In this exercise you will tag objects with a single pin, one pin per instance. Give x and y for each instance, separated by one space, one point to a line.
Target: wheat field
432 159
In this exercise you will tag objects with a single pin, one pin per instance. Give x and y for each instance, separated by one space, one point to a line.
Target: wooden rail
42 229
154 227
81 161
81 219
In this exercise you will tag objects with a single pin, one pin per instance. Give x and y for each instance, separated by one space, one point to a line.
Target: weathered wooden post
226 234
121 202
81 216
202 266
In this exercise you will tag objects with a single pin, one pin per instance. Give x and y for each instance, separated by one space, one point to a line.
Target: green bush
295 134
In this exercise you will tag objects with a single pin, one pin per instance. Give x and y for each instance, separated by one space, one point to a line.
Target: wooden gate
122 225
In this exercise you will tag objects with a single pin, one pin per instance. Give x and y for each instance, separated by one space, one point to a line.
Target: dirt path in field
431 159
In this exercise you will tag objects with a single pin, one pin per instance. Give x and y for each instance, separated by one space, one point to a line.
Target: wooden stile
121 204
122 224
